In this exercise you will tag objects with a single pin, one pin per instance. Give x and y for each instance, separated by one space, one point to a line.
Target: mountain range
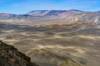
53 16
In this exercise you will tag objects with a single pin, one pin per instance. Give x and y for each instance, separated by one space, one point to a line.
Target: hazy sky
24 6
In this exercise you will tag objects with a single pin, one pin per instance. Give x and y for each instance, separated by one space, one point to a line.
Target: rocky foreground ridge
10 56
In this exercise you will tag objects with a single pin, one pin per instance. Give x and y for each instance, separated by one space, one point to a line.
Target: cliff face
10 56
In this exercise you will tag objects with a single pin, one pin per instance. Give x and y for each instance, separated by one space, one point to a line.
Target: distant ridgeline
55 15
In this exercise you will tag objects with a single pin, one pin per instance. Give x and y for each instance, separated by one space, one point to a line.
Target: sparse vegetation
51 43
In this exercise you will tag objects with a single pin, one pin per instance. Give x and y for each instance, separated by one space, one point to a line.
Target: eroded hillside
10 56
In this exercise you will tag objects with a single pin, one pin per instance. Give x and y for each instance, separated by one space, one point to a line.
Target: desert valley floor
55 45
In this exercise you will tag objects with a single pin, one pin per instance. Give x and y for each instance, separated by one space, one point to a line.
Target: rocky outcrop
10 56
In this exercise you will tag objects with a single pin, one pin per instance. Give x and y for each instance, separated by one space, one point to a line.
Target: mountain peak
51 12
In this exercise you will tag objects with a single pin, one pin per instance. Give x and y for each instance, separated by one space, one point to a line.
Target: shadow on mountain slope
10 56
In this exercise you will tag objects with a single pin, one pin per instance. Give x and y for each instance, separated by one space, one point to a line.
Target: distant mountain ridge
37 13
66 15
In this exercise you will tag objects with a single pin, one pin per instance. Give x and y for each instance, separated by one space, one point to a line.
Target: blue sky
24 6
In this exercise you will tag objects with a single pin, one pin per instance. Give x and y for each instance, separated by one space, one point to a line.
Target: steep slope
10 56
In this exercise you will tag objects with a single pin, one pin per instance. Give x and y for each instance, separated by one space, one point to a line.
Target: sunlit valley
49 32
54 37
